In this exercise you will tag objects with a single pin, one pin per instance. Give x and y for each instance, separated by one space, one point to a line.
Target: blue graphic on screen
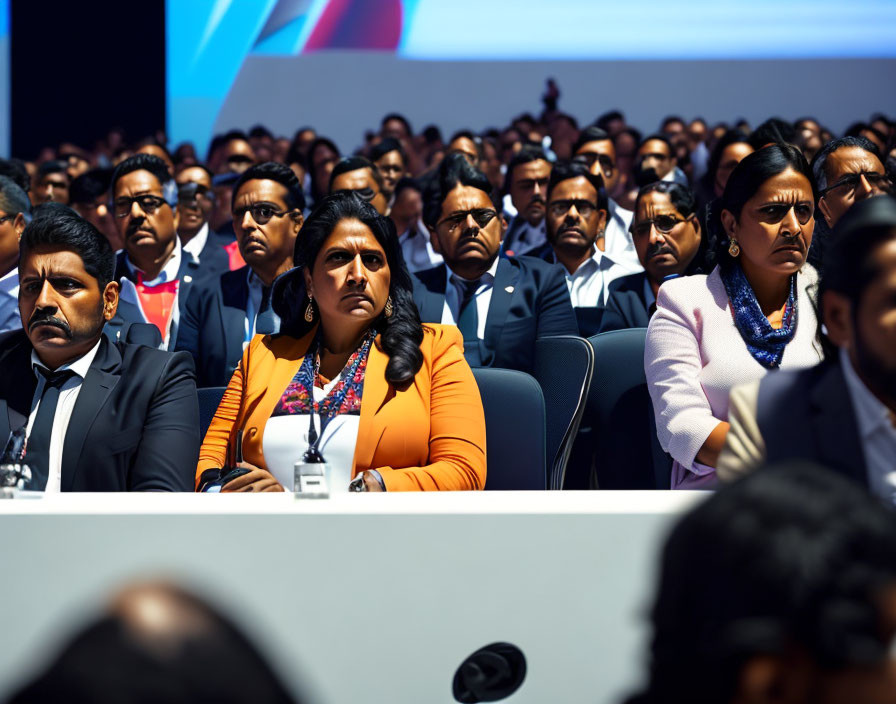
208 41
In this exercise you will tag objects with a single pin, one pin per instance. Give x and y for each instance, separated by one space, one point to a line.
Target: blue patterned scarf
765 344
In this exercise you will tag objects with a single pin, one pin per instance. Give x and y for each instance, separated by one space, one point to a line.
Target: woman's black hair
708 181
745 180
684 201
789 557
402 332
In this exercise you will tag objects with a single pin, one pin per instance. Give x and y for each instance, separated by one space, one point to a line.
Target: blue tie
468 320
264 321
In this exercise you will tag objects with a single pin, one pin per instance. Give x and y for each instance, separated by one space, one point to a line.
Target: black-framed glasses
481 216
262 213
148 204
850 182
190 192
588 159
585 208
662 223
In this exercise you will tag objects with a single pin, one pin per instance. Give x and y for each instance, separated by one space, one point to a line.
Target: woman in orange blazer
399 406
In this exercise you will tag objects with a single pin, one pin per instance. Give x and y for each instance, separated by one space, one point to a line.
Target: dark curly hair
402 332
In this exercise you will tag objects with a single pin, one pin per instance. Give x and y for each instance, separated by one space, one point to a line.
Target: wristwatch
358 483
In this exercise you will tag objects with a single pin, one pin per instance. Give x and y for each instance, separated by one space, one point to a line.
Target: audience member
779 589
50 183
391 161
501 305
152 147
154 275
727 153
358 174
14 208
235 154
772 131
840 413
322 157
223 315
100 415
526 183
667 237
468 145
397 406
753 313
195 203
407 216
77 159
89 196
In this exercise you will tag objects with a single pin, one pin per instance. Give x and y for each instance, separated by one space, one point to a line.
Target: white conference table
362 597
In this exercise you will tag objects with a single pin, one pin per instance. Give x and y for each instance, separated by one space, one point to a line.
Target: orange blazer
428 436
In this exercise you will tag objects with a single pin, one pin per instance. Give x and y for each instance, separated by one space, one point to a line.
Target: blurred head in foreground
157 643
780 588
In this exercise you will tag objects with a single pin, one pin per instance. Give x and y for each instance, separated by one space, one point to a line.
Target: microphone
490 674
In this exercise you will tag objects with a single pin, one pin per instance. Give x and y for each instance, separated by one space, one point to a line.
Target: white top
617 238
68 394
169 273
483 296
695 355
417 248
286 439
877 433
589 283
195 246
9 302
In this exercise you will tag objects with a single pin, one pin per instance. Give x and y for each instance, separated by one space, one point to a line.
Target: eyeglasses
148 204
481 216
662 223
881 182
559 208
262 213
190 192
588 159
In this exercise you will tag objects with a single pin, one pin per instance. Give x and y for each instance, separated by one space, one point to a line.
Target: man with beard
501 305
98 415
841 413
527 183
155 275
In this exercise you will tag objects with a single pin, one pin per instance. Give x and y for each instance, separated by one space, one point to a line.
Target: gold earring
733 248
309 311
389 309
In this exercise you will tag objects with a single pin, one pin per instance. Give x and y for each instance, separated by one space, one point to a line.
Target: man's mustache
138 224
39 319
537 199
657 250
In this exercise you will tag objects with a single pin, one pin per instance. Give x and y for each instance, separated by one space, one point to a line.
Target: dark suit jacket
530 300
189 274
627 306
213 259
808 414
134 427
213 326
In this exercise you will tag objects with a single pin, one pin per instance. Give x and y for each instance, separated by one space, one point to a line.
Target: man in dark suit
223 314
195 201
842 412
667 237
526 183
98 415
502 306
154 273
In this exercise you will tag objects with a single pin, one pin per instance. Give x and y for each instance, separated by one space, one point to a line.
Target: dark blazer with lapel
213 259
808 414
627 305
213 326
135 425
530 300
189 274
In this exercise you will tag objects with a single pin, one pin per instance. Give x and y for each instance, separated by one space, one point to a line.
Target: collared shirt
589 283
618 239
9 302
255 295
876 433
168 274
417 248
68 394
483 296
195 246
527 237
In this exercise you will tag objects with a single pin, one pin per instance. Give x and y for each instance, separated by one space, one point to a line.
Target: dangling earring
389 309
733 248
309 311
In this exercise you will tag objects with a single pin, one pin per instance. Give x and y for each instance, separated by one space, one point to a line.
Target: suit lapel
834 425
430 293
502 295
101 378
376 390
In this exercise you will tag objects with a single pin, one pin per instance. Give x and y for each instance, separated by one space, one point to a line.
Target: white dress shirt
589 283
286 439
483 296
417 248
195 246
68 394
169 273
617 238
255 296
9 302
877 433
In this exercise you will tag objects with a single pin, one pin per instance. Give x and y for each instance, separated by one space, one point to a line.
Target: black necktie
264 321
468 320
37 453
